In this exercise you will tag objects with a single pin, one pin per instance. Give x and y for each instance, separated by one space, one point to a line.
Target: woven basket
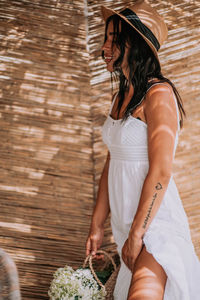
110 283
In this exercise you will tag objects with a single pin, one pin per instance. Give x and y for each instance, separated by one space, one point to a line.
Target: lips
108 58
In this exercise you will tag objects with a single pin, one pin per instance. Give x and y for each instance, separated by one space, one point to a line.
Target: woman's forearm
102 208
152 194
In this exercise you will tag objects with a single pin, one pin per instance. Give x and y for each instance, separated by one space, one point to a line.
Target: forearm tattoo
157 187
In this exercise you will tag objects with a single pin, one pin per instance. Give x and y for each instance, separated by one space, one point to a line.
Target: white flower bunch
74 285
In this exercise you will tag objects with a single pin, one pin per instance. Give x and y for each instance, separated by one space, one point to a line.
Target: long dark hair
143 66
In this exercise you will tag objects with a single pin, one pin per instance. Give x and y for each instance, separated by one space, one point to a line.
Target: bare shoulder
159 89
159 95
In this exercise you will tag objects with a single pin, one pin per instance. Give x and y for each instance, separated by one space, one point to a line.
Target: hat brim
107 12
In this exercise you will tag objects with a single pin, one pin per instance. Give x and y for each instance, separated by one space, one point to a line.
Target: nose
106 46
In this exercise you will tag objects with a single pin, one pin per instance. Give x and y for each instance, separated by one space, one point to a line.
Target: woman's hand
130 251
94 240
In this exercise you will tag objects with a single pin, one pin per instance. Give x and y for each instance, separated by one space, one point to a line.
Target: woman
148 221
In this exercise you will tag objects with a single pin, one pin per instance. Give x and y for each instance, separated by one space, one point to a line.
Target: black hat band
137 23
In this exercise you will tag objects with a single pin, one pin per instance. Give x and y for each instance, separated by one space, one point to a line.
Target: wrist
135 234
99 217
96 224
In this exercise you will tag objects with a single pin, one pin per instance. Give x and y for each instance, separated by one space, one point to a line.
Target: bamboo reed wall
55 94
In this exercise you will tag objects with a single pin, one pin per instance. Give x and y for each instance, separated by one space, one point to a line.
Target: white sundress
168 237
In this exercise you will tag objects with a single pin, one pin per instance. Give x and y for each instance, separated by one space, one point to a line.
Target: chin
110 68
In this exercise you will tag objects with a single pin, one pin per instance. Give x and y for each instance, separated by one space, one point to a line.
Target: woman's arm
100 213
161 116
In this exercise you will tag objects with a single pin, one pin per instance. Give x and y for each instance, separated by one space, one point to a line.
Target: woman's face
112 52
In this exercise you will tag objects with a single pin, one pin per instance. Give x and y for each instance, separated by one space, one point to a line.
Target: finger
124 254
131 263
93 247
127 260
88 247
124 257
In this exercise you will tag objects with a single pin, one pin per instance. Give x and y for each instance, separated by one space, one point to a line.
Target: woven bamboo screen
55 94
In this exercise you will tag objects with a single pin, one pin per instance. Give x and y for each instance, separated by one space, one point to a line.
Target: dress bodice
127 140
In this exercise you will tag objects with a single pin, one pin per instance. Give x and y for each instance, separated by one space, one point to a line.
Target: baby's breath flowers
68 284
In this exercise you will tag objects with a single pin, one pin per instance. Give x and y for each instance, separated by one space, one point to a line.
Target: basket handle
89 258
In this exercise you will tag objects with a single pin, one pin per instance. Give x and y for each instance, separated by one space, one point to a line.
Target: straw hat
145 20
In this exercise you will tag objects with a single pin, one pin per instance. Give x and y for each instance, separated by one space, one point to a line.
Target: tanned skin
158 111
